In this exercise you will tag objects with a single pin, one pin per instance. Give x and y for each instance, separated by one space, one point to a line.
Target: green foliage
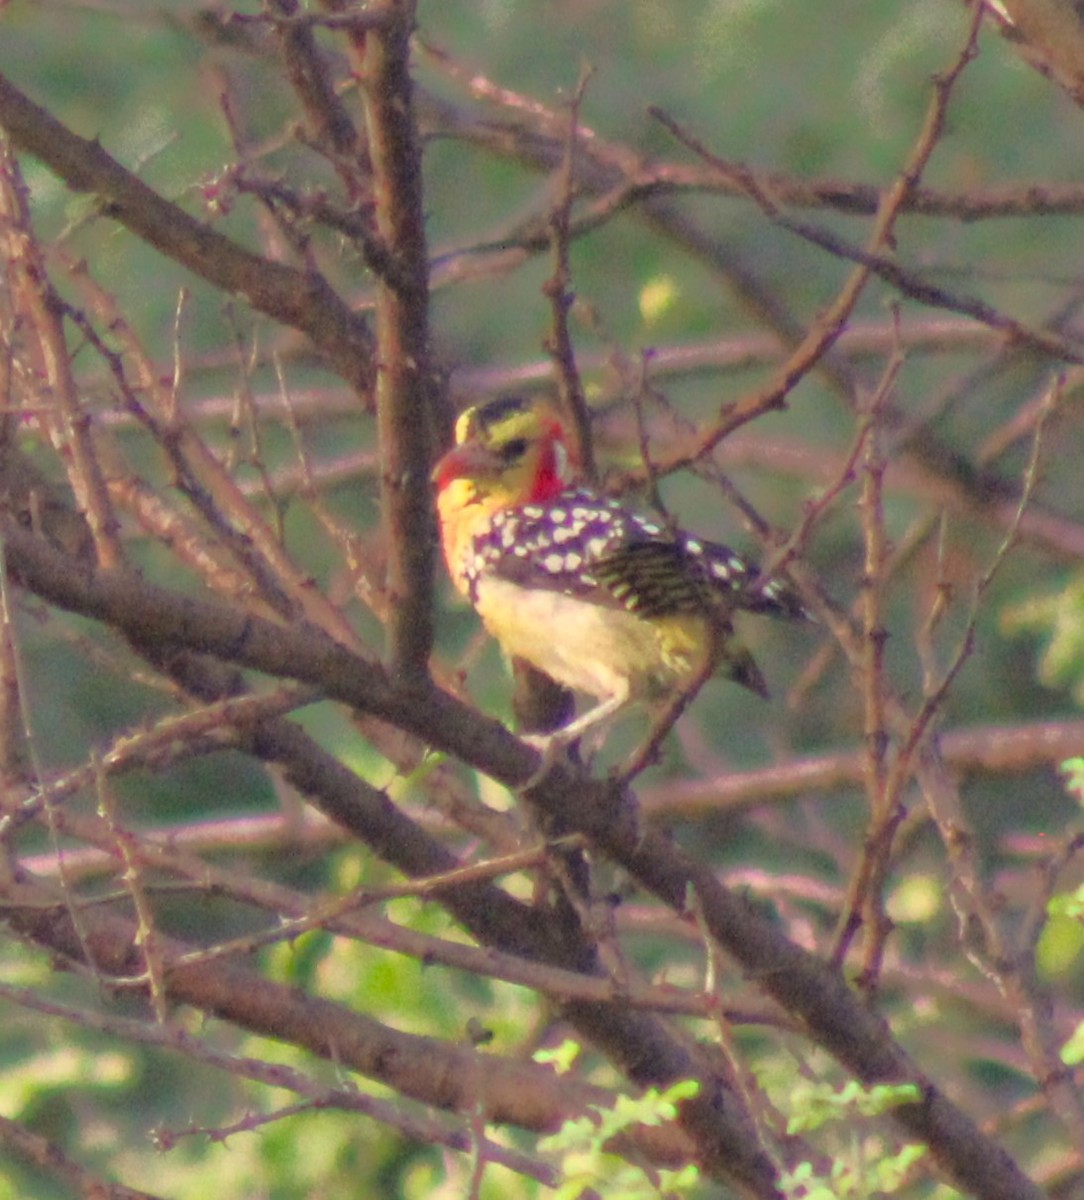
586 1166
1062 940
870 1172
1073 770
818 1103
561 1058
1068 905
865 1162
916 899
1058 953
1072 1053
1057 617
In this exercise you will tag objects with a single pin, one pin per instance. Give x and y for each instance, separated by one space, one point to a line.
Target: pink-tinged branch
404 383
300 299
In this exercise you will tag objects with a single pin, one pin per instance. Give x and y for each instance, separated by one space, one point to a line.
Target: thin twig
558 290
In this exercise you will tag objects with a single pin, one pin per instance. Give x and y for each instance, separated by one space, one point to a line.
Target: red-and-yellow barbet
603 600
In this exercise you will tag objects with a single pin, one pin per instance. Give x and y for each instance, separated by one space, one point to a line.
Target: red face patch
557 468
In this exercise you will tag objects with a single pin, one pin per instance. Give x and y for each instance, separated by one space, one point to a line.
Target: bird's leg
550 748
551 744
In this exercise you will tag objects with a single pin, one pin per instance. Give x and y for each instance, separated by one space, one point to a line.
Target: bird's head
508 451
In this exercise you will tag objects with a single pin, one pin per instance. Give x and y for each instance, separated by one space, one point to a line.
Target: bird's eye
514 449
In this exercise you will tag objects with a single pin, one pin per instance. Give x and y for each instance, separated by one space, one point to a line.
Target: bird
613 604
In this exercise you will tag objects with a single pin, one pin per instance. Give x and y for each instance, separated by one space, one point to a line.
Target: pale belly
604 652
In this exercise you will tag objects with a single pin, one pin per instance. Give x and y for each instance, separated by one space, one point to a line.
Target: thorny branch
405 392
258 612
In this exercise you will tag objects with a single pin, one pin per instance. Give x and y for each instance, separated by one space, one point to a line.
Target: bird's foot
557 747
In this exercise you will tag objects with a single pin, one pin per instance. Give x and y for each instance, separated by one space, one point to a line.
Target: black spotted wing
587 545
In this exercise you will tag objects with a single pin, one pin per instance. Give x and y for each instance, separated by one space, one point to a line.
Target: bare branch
296 298
405 393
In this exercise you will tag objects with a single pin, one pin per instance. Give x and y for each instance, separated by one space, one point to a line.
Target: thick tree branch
404 384
447 1076
638 1042
815 993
